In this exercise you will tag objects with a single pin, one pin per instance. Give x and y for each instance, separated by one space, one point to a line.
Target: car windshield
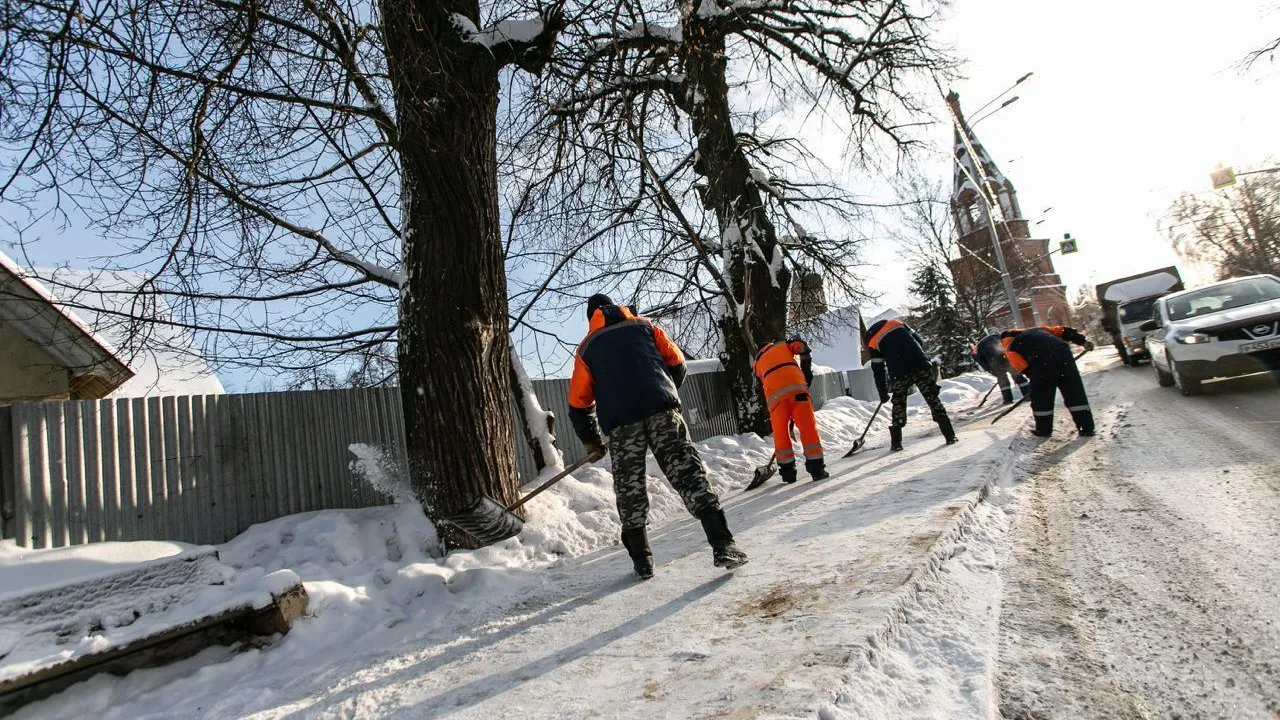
1224 297
1136 311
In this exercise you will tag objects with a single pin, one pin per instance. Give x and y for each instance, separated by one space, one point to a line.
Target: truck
1128 302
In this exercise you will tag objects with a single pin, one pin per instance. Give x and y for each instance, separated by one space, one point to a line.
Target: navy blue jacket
989 354
625 370
1041 350
891 343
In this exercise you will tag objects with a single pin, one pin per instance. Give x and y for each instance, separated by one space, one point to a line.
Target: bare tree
928 238
288 173
645 112
1236 230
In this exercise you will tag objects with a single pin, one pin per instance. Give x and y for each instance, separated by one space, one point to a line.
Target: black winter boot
725 553
1084 421
787 471
636 541
895 438
948 432
1043 427
817 469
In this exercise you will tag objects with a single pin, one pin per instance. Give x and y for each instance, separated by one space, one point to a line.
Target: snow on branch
506 31
373 271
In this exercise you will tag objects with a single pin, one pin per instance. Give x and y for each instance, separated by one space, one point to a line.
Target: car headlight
1194 338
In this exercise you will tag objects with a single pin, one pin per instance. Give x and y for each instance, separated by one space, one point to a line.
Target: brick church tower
1041 295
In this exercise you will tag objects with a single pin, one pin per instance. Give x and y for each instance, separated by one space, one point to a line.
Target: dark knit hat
595 302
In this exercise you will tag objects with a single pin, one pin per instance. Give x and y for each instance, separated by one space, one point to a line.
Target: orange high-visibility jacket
779 373
1022 347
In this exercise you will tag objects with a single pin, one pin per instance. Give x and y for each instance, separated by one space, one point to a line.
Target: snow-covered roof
838 345
166 362
1142 287
96 366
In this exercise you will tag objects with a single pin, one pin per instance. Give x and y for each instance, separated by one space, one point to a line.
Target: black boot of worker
724 552
1044 426
895 438
817 469
787 471
948 432
1084 421
636 541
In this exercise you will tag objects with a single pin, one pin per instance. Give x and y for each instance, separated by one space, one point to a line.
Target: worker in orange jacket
1042 354
626 375
785 383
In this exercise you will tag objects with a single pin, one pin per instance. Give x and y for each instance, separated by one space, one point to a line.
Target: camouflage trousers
666 434
927 380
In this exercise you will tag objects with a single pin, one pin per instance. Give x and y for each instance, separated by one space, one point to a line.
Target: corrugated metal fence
203 468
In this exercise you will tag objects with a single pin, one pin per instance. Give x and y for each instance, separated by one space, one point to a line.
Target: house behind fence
203 468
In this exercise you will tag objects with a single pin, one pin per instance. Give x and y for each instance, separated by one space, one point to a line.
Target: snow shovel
1024 397
766 471
488 521
862 439
984 397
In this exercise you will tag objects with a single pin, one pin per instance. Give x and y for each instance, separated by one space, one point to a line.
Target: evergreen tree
938 321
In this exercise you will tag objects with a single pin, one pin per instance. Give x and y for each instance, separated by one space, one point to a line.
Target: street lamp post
993 209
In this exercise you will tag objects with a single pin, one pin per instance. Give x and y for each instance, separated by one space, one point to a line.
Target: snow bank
23 570
60 605
379 583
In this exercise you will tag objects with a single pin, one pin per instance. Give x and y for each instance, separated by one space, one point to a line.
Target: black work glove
884 396
596 449
1088 346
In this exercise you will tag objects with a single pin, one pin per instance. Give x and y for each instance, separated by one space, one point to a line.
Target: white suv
1225 329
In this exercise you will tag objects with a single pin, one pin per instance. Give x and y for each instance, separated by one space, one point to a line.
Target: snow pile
26 570
64 603
380 586
957 389
941 663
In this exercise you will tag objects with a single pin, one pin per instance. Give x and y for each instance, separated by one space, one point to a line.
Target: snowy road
1143 569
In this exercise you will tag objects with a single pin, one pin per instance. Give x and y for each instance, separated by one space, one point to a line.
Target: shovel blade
486 520
762 473
857 445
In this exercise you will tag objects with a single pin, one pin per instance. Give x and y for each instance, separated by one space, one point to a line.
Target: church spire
966 174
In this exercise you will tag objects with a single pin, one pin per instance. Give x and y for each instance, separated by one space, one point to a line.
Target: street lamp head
1024 77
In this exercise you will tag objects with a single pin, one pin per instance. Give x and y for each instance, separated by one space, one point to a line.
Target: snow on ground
395 628
61 604
26 570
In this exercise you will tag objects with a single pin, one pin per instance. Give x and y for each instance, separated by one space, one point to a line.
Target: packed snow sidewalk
552 623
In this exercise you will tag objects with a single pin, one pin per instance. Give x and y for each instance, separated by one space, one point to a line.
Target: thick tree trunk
753 264
454 350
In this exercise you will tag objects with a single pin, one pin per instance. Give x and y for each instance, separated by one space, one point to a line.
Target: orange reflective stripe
889 326
1056 330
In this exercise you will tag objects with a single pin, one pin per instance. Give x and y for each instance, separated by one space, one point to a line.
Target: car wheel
1163 378
1187 386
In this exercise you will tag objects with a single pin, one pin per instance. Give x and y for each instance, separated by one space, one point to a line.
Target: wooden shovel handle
557 478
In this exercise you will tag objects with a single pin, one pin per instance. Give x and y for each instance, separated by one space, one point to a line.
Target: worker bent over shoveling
891 343
1043 355
625 375
786 391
